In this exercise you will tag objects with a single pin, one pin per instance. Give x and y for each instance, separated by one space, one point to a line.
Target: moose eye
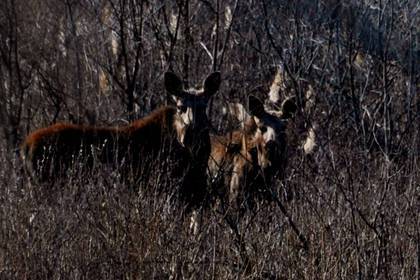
182 108
263 129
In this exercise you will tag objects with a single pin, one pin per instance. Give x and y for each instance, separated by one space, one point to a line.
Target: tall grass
360 220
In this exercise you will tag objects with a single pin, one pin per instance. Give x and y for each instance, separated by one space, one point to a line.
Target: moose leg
237 181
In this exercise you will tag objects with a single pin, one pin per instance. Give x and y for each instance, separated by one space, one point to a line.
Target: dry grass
355 198
359 222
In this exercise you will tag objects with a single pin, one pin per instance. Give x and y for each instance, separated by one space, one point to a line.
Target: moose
180 131
245 163
247 160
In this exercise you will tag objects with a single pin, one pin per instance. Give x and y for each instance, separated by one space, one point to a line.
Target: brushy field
360 220
355 198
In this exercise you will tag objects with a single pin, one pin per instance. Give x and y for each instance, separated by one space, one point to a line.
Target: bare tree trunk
14 92
216 37
78 83
187 41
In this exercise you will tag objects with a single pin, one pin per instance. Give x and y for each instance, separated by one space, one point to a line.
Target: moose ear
288 108
173 84
212 83
256 107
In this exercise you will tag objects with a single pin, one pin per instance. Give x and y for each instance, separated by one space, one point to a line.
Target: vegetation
354 197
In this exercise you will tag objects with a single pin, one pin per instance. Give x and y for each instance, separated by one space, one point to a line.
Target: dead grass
359 222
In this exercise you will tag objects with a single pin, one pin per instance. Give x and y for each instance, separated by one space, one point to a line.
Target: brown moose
181 132
249 159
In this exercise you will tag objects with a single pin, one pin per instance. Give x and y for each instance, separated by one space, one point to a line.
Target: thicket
355 197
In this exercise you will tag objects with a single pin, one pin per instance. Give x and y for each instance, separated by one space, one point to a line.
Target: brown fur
50 151
179 133
244 161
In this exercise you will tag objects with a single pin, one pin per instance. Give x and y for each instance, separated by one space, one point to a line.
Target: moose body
246 162
50 152
180 133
